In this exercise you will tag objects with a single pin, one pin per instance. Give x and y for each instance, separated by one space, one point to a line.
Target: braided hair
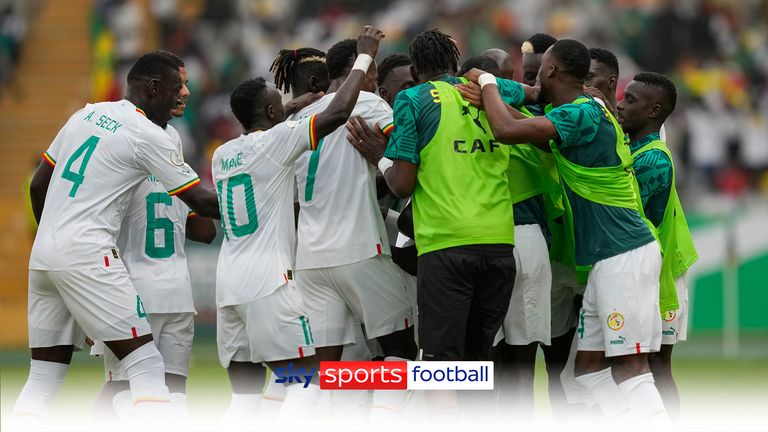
291 65
433 51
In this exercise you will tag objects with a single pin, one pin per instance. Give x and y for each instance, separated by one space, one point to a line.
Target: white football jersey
340 221
254 180
152 240
99 156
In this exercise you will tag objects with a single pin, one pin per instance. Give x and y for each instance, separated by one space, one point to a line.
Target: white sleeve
380 113
156 152
290 139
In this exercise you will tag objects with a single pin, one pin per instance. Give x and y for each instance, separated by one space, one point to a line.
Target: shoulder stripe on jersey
141 111
388 129
313 139
314 160
192 214
49 160
184 187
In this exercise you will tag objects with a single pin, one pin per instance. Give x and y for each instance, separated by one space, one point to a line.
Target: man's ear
551 71
613 81
384 93
654 111
270 111
154 86
312 84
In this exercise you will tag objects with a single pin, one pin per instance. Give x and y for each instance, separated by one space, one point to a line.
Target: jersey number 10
246 182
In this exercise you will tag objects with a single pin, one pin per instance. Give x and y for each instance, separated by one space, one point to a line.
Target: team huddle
410 210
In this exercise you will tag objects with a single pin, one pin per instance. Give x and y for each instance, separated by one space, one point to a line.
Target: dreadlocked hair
433 50
288 63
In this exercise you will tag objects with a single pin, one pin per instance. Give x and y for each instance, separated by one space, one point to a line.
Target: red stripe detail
378 248
185 188
133 332
387 130
106 261
637 348
406 323
48 161
285 277
141 111
301 353
110 375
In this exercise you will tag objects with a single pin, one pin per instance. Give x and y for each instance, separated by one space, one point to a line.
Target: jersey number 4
85 150
252 224
155 223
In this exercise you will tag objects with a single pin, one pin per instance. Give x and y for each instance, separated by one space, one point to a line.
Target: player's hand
474 74
531 94
472 93
301 102
596 93
89 341
371 143
368 41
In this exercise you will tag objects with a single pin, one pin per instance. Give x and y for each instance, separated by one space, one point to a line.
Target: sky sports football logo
393 375
406 375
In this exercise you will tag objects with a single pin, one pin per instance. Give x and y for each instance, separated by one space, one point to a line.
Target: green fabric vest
462 194
674 235
609 186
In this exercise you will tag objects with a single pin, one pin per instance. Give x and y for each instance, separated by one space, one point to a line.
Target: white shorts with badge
565 287
371 290
172 334
528 317
674 326
620 314
66 305
271 328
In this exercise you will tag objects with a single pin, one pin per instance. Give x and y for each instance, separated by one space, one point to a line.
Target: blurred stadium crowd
715 50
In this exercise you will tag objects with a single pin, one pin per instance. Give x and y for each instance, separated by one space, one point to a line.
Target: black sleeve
405 258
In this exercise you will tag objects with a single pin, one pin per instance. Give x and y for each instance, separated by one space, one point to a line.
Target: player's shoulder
231 146
368 97
313 108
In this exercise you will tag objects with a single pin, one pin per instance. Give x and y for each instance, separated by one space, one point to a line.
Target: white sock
179 402
601 386
644 398
44 381
388 405
146 374
299 403
274 394
122 402
243 410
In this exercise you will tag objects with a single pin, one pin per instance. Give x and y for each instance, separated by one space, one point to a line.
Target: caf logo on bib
669 316
615 321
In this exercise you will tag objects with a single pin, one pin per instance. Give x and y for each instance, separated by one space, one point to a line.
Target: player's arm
340 108
200 229
201 200
400 176
653 172
38 188
504 125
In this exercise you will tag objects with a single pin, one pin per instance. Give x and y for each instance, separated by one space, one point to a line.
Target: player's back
151 240
255 192
340 222
102 152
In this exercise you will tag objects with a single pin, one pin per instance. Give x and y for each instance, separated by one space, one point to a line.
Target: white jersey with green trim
151 242
99 156
340 222
254 180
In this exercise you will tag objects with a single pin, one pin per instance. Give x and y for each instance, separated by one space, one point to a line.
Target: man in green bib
442 153
648 100
619 321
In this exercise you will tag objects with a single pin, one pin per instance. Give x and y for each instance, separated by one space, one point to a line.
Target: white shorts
620 314
528 317
271 328
674 325
65 305
411 287
371 290
172 334
564 290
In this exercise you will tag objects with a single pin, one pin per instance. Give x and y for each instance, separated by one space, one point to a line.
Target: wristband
384 164
486 79
362 62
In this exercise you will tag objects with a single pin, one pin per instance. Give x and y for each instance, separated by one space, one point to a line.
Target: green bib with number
462 194
674 235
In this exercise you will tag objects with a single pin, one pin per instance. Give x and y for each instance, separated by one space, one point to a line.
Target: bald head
504 60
